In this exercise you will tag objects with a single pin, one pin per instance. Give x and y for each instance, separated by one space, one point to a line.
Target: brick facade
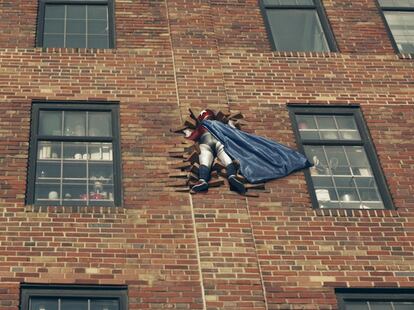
219 250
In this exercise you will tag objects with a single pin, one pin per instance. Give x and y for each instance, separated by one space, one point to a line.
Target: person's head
206 114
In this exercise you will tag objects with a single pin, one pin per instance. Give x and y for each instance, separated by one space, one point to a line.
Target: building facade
89 91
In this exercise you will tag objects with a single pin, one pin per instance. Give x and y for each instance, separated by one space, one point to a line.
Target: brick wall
220 250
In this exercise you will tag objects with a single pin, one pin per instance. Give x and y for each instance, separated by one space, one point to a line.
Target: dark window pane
77 26
404 305
97 27
50 123
380 305
54 26
288 2
76 11
97 12
69 304
100 124
104 305
41 303
98 41
73 40
396 3
74 123
356 305
402 28
297 30
53 40
54 11
306 122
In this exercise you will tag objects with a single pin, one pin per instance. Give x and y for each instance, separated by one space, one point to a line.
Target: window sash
327 42
397 40
365 142
74 292
110 40
110 191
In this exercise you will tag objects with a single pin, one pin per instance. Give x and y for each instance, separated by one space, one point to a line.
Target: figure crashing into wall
222 150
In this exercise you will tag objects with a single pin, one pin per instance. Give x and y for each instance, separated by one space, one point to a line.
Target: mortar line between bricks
257 255
218 54
198 254
173 61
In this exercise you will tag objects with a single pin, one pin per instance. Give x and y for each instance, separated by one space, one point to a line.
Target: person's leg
235 185
206 159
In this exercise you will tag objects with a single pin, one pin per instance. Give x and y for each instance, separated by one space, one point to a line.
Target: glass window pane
356 305
76 26
380 305
402 28
50 123
326 122
75 40
97 27
98 41
43 303
74 123
104 305
306 122
71 304
288 2
407 305
76 11
56 26
54 11
100 124
53 40
297 30
345 122
97 12
396 3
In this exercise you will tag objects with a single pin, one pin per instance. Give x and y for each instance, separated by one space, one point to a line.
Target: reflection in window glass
50 123
327 127
99 124
71 304
396 3
342 177
40 303
402 28
104 305
297 30
76 25
74 173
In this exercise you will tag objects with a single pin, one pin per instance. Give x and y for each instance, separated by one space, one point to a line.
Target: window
69 297
399 16
297 25
74 155
75 23
346 173
375 299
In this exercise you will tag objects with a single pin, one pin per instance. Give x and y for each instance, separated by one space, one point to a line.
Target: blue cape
260 159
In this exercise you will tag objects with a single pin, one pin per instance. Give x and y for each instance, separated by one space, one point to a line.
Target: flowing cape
260 159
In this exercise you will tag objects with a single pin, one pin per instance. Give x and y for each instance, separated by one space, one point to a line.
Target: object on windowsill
53 195
322 195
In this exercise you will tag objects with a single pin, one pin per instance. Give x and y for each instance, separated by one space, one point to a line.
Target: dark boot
203 178
235 185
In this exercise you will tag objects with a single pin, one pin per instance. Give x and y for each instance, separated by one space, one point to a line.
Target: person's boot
235 185
203 178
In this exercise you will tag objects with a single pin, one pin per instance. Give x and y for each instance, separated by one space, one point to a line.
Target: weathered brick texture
219 250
